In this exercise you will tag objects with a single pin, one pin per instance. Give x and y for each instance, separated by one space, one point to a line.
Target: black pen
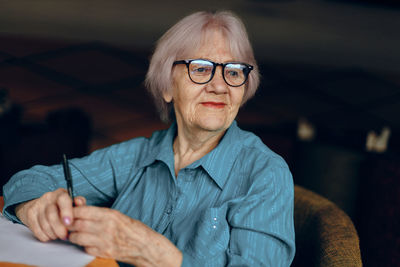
68 178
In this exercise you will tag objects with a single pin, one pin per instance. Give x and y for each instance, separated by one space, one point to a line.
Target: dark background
71 74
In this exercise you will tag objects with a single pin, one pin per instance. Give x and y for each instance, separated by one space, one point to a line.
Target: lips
212 104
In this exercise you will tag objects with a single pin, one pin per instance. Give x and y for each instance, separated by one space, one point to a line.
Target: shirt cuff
10 204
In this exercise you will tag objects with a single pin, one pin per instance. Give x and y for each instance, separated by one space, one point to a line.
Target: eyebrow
227 61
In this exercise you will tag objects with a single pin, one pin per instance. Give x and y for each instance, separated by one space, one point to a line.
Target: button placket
214 223
169 210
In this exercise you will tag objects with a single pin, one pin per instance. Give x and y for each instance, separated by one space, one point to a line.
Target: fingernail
67 220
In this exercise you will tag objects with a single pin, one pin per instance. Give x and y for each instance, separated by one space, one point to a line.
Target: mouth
211 104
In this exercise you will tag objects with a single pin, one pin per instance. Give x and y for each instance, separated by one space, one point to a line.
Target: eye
232 73
234 70
201 69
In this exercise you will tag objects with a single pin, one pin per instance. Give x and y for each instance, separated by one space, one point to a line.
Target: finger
37 230
86 226
64 203
45 227
80 201
59 229
92 213
94 251
85 239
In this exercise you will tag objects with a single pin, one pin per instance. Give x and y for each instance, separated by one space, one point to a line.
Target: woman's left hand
108 233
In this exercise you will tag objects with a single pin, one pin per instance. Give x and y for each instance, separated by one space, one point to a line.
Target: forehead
214 45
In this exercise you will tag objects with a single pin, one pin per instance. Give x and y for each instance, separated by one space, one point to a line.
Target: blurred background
72 71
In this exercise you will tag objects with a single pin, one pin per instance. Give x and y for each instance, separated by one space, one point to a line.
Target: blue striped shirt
232 207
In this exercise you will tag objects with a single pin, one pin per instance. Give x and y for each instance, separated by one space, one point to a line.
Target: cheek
237 97
183 100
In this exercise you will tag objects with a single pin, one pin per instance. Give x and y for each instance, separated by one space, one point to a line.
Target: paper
18 245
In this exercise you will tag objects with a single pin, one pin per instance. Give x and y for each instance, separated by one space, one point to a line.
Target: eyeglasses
202 71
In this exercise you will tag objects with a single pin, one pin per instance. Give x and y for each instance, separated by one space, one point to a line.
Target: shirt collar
161 148
217 163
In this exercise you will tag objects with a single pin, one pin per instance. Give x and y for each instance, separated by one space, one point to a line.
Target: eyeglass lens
201 71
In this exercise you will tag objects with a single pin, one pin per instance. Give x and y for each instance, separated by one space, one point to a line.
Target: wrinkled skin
102 232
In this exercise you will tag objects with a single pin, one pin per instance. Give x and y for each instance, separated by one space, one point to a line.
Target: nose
218 84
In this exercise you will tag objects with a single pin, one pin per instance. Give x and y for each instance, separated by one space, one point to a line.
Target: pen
68 178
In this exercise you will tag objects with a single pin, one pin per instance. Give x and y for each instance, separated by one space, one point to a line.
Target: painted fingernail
67 220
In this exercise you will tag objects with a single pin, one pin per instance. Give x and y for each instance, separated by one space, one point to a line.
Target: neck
192 144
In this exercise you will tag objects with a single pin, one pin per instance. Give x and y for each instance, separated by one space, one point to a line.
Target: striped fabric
233 207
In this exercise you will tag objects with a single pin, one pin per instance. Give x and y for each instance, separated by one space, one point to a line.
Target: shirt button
169 210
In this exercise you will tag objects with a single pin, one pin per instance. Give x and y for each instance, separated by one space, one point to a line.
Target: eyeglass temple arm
180 62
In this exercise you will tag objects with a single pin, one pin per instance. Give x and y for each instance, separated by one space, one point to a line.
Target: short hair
184 38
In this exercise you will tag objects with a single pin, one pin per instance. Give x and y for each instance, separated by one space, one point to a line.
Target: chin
214 124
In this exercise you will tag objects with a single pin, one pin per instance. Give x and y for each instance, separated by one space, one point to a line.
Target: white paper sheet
18 245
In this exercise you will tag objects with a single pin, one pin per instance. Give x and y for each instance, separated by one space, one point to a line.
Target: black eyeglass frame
215 65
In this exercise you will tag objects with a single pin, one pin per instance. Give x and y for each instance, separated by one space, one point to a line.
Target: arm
98 177
262 230
36 197
253 228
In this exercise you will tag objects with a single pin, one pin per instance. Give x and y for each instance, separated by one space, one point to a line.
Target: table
97 262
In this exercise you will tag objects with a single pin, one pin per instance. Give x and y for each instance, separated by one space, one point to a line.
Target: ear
167 95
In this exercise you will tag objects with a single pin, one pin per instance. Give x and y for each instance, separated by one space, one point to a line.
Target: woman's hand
108 233
49 215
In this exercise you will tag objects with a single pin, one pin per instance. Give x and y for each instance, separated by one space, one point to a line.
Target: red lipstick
214 104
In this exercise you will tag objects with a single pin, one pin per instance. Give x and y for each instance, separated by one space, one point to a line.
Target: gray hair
183 39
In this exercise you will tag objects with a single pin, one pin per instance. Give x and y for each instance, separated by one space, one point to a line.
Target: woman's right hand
49 215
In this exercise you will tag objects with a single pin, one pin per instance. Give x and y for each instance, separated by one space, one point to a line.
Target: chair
325 235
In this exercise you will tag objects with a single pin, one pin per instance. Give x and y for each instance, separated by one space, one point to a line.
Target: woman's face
211 106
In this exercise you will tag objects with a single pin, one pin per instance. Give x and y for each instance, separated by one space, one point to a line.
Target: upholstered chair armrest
325 235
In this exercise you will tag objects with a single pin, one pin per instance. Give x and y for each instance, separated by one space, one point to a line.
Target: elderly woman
202 193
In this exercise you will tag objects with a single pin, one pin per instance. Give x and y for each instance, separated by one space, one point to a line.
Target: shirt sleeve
262 227
97 177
